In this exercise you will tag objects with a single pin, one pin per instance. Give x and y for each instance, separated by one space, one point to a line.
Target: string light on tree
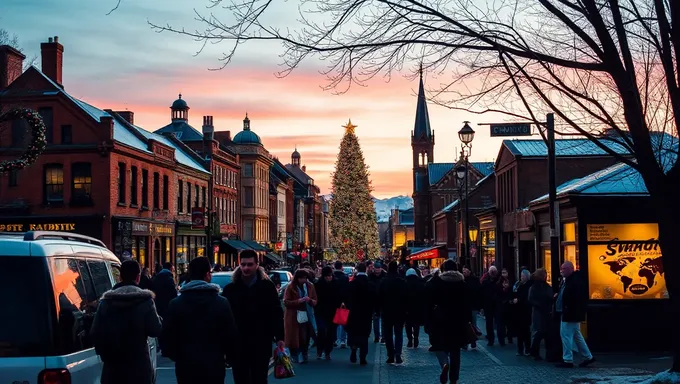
352 219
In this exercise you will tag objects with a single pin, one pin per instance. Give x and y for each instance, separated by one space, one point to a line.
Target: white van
50 285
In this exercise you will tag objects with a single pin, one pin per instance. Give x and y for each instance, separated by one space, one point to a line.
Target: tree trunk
667 204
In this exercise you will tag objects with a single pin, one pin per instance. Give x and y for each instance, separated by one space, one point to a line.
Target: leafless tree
600 65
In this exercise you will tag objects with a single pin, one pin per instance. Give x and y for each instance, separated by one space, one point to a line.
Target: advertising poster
624 262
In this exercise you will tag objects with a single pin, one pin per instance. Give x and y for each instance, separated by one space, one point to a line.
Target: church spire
422 129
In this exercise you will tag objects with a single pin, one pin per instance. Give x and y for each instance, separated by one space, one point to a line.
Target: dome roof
296 154
247 137
179 103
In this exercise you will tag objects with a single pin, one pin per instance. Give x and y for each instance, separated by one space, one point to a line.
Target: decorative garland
38 142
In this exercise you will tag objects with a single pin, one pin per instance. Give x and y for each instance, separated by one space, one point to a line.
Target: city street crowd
204 329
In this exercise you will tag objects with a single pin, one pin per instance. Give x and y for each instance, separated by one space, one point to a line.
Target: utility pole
552 203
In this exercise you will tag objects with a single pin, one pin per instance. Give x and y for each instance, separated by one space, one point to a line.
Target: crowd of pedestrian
245 321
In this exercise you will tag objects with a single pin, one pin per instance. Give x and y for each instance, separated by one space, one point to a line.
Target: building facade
100 175
255 162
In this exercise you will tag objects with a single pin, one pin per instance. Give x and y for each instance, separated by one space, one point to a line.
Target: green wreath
38 142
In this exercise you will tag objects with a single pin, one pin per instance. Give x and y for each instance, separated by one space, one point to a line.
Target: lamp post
466 135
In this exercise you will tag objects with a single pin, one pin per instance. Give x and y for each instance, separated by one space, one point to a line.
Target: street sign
510 129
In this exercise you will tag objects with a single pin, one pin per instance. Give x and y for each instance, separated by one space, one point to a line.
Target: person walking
164 287
259 319
200 359
571 305
522 312
541 301
490 296
125 319
342 287
447 321
145 281
376 277
473 299
415 307
299 299
361 299
328 296
393 308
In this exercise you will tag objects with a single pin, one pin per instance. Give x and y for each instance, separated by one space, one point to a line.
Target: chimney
11 65
52 59
208 128
304 168
224 137
129 116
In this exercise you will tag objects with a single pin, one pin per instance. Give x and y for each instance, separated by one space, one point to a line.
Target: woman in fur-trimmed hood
447 320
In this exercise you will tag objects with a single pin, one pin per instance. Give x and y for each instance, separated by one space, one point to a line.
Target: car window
74 311
115 271
100 277
285 277
25 322
221 280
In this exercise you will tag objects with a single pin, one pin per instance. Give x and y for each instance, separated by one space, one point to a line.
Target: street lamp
466 135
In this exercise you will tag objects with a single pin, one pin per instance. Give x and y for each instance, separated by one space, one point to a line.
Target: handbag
341 316
302 317
283 366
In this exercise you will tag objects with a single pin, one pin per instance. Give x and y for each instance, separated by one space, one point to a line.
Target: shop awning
237 245
273 257
427 253
255 246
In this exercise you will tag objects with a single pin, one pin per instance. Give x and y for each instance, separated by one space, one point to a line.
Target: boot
410 343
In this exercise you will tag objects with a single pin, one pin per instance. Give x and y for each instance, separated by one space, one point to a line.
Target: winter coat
361 300
200 308
490 293
125 319
145 282
342 282
291 325
416 305
473 291
447 321
329 299
391 293
258 314
574 299
163 285
541 301
522 307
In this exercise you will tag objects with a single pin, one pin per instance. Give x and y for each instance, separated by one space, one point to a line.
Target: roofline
187 150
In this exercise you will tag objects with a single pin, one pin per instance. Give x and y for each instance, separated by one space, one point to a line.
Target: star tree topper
349 128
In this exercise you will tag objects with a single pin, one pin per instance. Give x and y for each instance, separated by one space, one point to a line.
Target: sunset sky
118 62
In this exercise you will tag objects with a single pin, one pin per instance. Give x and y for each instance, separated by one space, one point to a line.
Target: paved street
486 364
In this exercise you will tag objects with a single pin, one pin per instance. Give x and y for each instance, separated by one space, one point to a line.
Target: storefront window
201 246
192 248
135 246
142 251
489 257
570 255
547 260
569 232
181 246
168 249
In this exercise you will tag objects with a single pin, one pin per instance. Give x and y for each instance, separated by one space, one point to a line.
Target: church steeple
421 129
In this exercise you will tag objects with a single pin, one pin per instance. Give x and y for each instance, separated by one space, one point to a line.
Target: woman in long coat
447 321
300 295
541 301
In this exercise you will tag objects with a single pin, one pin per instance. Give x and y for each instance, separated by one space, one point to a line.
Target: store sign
142 228
198 218
62 227
279 246
431 254
624 262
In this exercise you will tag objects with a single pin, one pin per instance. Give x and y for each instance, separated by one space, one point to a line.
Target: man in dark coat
393 308
541 301
491 291
342 283
376 276
329 300
571 305
447 321
361 299
416 306
259 319
164 287
200 307
125 319
474 299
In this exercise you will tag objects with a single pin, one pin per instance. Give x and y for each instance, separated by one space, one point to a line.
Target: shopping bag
341 316
283 365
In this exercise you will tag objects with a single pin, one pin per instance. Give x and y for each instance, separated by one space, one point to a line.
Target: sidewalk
499 364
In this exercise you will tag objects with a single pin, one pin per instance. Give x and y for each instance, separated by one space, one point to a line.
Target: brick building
223 209
100 175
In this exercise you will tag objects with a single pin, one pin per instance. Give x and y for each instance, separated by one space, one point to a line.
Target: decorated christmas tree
352 219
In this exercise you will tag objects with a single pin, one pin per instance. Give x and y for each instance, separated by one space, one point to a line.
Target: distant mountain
383 207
